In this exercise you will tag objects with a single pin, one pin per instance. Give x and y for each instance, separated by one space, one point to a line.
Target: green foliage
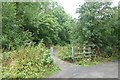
66 23
64 53
12 34
25 22
98 23
28 62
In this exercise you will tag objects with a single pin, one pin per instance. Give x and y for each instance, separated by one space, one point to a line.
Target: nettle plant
26 62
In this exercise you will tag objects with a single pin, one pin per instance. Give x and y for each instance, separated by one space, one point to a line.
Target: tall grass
28 62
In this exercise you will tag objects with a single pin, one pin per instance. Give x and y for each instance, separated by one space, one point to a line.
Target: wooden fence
78 53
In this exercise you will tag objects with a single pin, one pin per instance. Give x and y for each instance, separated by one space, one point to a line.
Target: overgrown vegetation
28 62
65 53
25 23
98 23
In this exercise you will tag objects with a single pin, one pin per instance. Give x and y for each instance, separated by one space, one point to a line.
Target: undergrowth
28 62
65 53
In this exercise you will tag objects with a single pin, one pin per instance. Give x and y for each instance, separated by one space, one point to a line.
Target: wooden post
51 51
72 54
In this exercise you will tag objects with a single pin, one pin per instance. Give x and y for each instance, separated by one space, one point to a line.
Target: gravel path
69 70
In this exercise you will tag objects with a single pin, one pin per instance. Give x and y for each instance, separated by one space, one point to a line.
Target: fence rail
75 53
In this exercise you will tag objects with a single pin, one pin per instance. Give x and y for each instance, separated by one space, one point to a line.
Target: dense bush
28 62
23 22
64 53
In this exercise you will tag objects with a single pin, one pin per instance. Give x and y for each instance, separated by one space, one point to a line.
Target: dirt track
68 70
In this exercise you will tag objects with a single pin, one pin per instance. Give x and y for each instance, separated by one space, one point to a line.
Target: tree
25 22
95 24
65 22
12 34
